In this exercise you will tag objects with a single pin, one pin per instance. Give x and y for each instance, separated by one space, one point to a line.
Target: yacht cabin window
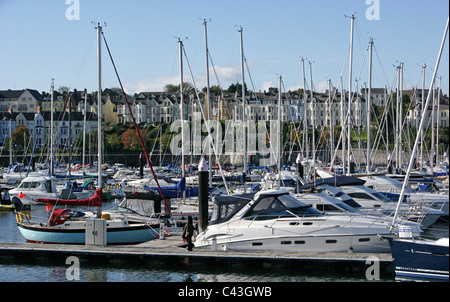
29 185
274 206
361 195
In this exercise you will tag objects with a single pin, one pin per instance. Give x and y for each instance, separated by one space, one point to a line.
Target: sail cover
94 201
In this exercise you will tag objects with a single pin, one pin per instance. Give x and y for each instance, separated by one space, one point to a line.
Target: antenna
179 39
204 20
98 23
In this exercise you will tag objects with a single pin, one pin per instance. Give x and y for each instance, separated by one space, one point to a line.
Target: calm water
32 270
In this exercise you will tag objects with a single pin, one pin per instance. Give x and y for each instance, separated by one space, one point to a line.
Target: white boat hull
304 235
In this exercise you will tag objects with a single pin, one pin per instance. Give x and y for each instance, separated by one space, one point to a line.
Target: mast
331 123
349 127
433 121
400 148
397 124
342 123
279 140
10 142
420 129
438 120
244 107
183 173
305 115
70 134
51 129
313 123
99 101
413 152
208 101
84 131
369 106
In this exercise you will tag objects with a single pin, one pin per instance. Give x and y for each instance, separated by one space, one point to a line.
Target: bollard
203 188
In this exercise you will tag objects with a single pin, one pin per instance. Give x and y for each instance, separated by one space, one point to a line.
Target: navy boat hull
420 259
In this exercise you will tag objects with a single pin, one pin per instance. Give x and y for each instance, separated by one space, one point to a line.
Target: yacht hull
306 235
420 259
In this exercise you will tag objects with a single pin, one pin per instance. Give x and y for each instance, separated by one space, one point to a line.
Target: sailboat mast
330 110
349 127
84 131
99 104
313 111
342 123
280 131
208 101
244 105
433 121
438 120
369 106
423 102
305 115
398 122
400 148
51 128
180 43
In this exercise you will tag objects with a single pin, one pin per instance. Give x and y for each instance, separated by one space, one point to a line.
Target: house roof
14 94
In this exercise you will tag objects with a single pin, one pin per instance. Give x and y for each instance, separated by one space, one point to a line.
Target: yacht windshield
273 206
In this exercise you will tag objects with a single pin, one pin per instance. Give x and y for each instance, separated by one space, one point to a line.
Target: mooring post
203 183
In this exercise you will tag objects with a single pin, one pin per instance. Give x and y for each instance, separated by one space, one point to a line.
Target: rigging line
83 61
136 127
214 69
250 77
379 61
207 124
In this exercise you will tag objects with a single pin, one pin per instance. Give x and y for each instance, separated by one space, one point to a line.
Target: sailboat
66 226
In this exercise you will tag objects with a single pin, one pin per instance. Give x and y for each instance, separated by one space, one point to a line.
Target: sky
56 39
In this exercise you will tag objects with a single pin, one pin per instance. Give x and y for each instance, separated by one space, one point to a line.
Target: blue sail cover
176 191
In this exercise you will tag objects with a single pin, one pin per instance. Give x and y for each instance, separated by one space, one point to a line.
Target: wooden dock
170 252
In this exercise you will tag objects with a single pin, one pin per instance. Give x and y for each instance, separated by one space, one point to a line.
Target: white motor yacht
373 201
393 186
326 203
274 220
33 187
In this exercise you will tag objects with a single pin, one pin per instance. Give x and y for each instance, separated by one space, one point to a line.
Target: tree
113 141
130 139
187 88
169 88
19 135
63 90
238 87
215 89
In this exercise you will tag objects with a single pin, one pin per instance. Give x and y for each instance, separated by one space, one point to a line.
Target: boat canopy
145 203
94 201
225 206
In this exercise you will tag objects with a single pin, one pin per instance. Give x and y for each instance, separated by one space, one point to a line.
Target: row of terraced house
31 109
